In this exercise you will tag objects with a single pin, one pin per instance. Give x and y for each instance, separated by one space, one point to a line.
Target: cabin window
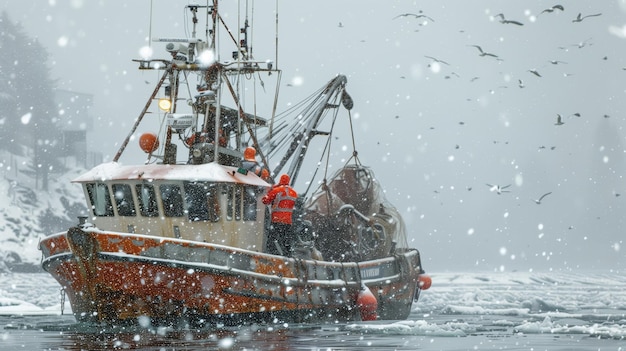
124 200
100 199
172 198
202 201
249 203
233 194
147 200
242 203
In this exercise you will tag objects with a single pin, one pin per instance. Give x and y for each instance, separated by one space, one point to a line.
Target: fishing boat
182 238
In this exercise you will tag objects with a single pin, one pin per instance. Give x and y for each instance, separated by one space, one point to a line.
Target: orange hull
129 278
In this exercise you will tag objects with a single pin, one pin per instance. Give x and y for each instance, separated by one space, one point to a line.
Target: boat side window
227 190
124 200
147 200
202 201
233 194
100 199
172 198
242 202
249 203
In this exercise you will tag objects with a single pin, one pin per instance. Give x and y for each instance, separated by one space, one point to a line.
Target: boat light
165 104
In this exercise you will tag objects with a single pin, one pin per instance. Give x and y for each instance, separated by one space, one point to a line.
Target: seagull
521 84
582 44
420 15
538 201
506 21
482 53
534 71
579 45
498 189
556 62
437 60
551 9
559 120
580 17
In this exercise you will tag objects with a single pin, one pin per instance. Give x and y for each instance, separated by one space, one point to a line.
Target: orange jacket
283 199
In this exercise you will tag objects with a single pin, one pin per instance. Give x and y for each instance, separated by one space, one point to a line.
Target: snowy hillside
28 213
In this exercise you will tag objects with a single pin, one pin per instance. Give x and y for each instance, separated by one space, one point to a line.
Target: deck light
165 104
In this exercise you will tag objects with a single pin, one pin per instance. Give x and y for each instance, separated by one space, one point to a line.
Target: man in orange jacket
283 198
250 164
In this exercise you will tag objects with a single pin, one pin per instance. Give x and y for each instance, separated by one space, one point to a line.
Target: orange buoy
367 304
148 142
424 281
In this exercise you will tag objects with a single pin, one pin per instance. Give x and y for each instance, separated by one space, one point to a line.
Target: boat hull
121 278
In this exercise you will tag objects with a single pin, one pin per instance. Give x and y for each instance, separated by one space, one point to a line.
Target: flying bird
483 53
437 60
579 45
556 62
534 71
420 15
521 84
559 120
498 189
580 17
551 9
538 201
584 43
506 21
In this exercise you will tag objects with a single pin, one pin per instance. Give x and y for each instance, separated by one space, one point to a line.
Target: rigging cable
254 101
354 152
271 128
326 153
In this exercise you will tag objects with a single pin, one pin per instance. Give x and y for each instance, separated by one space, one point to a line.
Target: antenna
150 28
276 45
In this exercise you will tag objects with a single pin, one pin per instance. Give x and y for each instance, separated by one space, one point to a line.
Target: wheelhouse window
100 199
233 195
249 203
124 200
172 198
242 202
202 201
147 200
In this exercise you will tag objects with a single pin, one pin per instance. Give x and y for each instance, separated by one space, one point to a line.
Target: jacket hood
249 154
284 180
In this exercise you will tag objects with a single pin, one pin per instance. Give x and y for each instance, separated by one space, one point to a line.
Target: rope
355 154
326 148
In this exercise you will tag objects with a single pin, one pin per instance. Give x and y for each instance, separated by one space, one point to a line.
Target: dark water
61 333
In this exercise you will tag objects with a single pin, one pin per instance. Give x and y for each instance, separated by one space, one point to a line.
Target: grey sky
435 134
